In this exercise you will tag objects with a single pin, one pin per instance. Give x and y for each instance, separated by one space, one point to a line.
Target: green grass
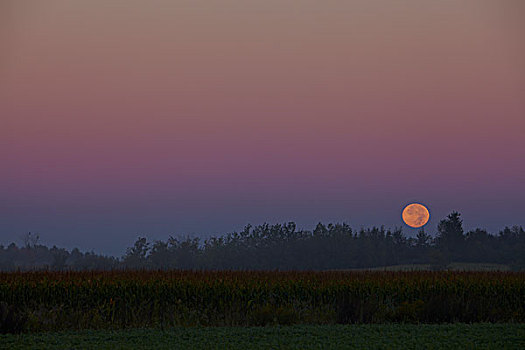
391 336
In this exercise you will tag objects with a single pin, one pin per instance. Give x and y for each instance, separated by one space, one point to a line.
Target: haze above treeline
283 247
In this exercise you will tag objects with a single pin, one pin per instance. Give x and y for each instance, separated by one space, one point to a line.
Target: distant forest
284 247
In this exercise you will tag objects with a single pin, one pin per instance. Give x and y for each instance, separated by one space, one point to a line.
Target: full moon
415 215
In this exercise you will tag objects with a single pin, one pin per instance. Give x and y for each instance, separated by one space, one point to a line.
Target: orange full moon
415 215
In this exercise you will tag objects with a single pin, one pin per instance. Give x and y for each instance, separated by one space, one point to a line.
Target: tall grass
120 299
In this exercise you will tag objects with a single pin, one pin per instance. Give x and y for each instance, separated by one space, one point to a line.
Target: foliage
450 238
284 247
78 300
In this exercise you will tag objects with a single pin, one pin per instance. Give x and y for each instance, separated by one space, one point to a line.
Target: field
57 301
392 336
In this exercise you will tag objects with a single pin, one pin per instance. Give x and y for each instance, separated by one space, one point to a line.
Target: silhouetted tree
450 239
135 257
283 246
422 239
30 240
60 256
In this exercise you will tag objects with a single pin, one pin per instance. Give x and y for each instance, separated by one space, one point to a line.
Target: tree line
284 247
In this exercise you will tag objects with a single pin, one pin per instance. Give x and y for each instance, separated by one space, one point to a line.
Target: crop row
119 299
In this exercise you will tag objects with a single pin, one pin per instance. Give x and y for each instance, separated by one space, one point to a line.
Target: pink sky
201 116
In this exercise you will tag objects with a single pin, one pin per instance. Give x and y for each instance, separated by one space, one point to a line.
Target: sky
159 118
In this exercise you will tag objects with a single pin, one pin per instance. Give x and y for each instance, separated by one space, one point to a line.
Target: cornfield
37 301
